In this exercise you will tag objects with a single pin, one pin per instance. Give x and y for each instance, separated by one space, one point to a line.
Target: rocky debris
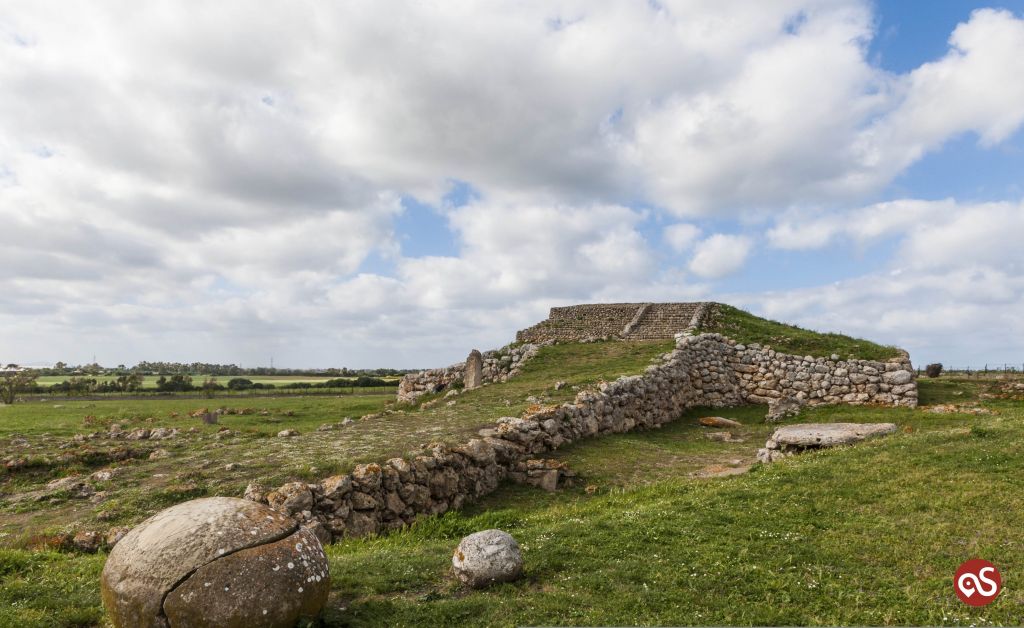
486 558
783 408
547 474
717 421
291 498
159 454
86 541
559 385
114 535
105 475
723 437
288 433
792 439
161 433
232 466
140 433
256 492
736 467
949 408
933 370
215 561
75 486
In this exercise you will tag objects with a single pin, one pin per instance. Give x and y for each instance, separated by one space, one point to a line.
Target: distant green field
150 380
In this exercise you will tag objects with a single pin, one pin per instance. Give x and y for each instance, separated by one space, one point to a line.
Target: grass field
865 535
196 464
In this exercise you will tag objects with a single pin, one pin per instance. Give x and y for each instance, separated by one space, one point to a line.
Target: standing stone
474 370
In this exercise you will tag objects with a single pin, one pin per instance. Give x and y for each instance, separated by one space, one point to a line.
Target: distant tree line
133 382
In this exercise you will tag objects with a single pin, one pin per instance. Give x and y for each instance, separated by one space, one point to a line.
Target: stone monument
474 375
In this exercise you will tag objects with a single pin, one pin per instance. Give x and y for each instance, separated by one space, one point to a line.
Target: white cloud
720 255
680 236
220 172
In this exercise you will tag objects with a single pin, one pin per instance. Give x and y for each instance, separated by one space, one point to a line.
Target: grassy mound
746 328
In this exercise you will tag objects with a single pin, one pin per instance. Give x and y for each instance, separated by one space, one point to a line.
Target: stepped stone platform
627 321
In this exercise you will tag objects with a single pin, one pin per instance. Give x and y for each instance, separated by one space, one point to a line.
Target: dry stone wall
631 321
703 370
498 366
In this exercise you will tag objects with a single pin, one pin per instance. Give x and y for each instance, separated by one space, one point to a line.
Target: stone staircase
662 320
631 321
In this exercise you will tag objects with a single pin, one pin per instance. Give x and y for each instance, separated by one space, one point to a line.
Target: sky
387 183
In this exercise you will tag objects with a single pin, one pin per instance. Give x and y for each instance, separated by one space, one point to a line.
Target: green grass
40 433
747 328
864 535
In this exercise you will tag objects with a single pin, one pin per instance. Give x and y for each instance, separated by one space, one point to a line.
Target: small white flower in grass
291 565
300 589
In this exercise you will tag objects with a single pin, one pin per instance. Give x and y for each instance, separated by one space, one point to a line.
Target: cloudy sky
388 183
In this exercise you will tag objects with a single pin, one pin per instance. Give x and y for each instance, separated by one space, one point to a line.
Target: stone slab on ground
828 434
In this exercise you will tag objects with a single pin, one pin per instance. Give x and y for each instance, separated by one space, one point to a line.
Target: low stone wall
498 366
703 370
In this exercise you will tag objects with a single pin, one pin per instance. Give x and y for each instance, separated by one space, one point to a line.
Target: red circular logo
977 582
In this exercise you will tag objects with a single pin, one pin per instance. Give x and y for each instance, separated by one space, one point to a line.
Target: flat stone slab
717 421
828 434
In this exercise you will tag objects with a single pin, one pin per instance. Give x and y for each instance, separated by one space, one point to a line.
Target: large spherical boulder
487 557
217 561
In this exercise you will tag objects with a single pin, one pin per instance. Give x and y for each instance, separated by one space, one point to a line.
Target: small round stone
201 564
488 557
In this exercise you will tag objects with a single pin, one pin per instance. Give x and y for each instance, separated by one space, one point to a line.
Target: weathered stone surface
167 548
828 434
269 585
474 374
717 421
291 498
486 558
783 408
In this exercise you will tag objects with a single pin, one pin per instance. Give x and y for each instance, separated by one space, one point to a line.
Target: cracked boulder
217 561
